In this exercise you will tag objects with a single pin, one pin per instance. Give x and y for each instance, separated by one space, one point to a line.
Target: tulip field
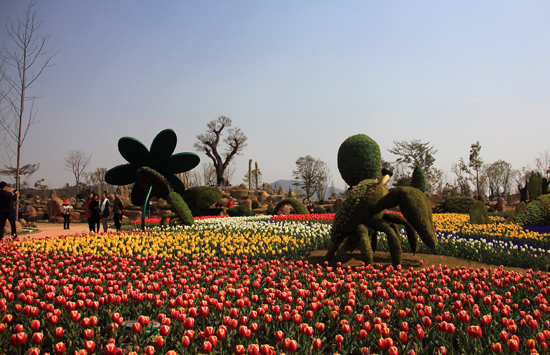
239 285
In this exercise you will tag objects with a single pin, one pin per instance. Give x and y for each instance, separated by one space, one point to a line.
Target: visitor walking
104 211
89 211
94 213
118 210
66 213
7 210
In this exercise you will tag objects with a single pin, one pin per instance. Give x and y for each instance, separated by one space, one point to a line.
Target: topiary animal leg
373 239
415 207
365 244
411 233
348 244
394 241
331 252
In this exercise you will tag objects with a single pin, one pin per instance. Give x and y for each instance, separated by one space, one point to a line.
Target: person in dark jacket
118 209
89 212
7 210
94 211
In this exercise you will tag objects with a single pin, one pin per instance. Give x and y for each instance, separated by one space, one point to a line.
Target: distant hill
288 183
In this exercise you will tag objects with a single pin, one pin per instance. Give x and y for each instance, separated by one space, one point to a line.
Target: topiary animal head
359 159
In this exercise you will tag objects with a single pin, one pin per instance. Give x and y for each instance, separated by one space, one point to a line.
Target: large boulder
36 217
337 204
7 228
275 198
501 204
267 187
54 207
238 194
263 196
29 209
247 203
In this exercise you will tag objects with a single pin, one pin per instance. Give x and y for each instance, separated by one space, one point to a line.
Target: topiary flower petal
121 175
134 151
138 195
182 162
164 144
176 183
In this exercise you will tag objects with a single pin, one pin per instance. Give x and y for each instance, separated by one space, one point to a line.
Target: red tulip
89 346
37 338
149 350
136 328
393 351
185 341
419 332
164 330
317 343
402 337
253 349
33 351
513 345
239 350
158 341
35 325
496 347
486 320
475 331
59 348
279 335
189 323
88 334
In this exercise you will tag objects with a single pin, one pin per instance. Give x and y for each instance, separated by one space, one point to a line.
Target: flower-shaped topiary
152 171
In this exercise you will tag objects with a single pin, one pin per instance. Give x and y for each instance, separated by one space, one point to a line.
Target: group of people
98 211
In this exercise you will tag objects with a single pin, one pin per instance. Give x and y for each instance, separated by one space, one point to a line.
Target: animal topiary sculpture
200 198
152 171
363 213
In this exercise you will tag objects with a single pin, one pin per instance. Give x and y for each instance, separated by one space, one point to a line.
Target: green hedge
458 204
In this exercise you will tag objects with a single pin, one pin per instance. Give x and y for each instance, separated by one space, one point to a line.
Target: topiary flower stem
145 204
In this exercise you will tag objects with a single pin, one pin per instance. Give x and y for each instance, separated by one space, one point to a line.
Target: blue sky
298 77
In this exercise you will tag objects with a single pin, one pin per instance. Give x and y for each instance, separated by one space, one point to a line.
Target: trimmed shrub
534 186
297 205
479 215
418 179
200 198
536 212
240 211
359 158
255 204
458 204
270 208
519 208
318 209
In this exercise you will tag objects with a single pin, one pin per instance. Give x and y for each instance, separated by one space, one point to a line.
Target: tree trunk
256 175
250 175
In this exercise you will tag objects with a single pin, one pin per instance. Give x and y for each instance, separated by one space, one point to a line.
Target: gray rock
501 204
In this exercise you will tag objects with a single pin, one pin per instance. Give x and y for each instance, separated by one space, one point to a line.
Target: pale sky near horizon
298 77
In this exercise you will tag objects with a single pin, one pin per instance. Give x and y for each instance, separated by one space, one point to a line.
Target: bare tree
76 162
310 173
209 143
26 170
411 154
97 179
461 181
543 163
20 68
499 176
208 174
474 167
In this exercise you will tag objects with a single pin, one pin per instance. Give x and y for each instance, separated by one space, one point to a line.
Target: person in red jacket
231 202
